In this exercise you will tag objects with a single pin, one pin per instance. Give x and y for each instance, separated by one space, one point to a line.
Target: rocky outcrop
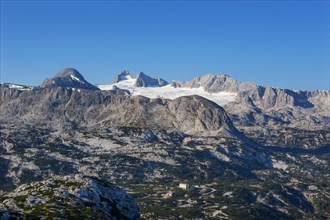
214 83
194 113
72 196
68 78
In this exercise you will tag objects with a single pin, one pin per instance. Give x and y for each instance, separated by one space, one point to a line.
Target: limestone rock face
276 98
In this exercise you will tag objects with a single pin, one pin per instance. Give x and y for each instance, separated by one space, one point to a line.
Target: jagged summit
68 78
142 80
122 76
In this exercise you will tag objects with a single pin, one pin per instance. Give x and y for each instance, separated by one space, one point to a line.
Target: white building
184 186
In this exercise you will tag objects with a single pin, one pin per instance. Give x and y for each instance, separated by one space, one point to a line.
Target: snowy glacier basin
170 92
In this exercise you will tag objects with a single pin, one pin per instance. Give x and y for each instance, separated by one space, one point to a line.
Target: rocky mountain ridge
193 114
253 109
259 97
262 97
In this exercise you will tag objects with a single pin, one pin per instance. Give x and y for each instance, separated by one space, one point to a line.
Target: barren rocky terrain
80 151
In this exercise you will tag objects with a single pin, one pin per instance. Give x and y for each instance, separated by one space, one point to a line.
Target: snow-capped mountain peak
68 78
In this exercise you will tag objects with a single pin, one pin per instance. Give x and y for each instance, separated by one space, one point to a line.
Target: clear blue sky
272 43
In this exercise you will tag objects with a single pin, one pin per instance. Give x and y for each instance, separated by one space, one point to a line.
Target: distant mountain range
192 106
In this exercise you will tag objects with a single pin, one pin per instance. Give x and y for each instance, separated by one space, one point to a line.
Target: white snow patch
219 213
279 198
74 89
76 79
13 86
170 92
229 194
279 164
22 88
220 156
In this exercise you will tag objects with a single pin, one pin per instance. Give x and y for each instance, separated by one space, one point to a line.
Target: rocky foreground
229 178
72 196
